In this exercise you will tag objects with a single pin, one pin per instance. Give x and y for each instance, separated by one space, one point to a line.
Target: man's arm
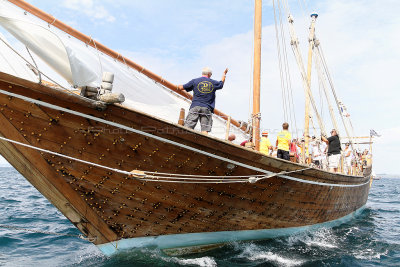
186 87
224 75
323 138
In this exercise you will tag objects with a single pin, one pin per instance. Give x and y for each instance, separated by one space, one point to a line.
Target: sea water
371 239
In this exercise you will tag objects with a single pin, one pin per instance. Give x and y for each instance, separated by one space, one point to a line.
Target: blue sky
177 38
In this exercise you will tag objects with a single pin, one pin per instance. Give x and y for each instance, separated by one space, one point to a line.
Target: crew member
334 149
265 144
283 142
203 102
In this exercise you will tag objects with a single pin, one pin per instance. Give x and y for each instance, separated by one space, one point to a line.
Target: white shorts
333 160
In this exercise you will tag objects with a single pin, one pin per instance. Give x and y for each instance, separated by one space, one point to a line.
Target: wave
203 261
264 254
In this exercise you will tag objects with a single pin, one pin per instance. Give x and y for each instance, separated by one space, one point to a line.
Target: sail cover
82 65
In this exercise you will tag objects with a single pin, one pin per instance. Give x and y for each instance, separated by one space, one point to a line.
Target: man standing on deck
203 102
347 158
265 144
334 149
283 142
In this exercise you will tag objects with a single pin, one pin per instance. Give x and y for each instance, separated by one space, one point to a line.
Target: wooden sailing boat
134 184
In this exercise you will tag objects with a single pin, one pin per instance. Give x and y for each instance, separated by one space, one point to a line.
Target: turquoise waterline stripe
197 239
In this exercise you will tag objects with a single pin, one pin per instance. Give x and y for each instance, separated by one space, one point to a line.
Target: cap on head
206 71
264 133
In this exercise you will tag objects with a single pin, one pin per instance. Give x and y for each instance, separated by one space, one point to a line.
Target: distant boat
129 175
374 176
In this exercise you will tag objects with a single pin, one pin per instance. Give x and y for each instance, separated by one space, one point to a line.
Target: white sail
81 65
12 64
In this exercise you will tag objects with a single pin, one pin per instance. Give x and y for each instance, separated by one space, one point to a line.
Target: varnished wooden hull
109 206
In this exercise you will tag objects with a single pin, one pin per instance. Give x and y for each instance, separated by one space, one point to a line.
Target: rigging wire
284 70
8 62
177 178
306 85
303 6
285 5
321 99
286 80
34 62
280 63
39 71
289 90
325 67
321 77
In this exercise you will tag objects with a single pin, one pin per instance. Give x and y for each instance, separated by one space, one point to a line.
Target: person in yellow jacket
265 144
283 142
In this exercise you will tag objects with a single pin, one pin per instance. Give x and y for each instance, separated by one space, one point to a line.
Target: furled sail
81 65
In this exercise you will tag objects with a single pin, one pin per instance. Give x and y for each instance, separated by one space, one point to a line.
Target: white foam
88 253
322 243
255 253
369 254
323 238
203 262
281 261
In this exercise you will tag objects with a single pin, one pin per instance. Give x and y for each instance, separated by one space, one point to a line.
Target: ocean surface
372 239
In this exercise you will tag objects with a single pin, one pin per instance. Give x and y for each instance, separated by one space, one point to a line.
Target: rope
287 90
317 59
324 64
11 227
98 53
280 64
169 178
154 176
38 102
299 60
64 156
36 66
23 58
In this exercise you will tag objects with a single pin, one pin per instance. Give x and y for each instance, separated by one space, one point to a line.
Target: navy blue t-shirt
203 92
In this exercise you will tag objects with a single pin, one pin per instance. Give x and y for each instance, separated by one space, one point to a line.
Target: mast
307 101
115 55
257 74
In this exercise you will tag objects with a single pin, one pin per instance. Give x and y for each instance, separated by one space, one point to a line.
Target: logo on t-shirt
205 87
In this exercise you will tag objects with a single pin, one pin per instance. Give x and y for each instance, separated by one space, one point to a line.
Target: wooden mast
307 102
257 74
117 56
